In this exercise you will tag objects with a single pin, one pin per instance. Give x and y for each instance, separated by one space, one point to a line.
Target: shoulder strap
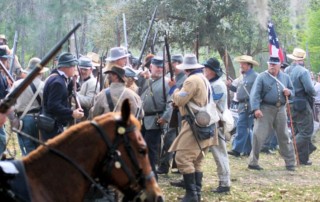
34 90
109 99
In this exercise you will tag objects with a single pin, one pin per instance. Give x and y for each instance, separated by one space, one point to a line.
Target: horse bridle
113 158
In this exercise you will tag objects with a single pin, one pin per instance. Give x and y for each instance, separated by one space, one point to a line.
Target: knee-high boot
198 177
190 186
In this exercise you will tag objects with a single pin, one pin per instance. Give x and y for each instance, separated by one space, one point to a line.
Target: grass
274 183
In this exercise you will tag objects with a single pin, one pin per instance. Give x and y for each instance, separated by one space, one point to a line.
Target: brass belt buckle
278 104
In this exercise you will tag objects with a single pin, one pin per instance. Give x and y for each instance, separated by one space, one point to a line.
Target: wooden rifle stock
74 92
12 97
168 56
4 69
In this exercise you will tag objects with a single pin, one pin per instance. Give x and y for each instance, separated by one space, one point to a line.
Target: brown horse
110 148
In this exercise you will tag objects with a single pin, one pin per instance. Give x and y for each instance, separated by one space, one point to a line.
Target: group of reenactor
72 93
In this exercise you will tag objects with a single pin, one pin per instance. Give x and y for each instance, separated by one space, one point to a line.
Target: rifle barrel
6 72
168 56
12 97
14 50
147 35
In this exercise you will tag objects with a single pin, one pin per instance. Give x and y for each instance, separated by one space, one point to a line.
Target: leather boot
179 183
191 190
198 176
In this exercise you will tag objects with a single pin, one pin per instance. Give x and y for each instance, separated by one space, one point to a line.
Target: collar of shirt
247 73
62 73
195 71
214 79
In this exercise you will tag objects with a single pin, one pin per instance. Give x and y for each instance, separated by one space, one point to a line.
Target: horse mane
74 131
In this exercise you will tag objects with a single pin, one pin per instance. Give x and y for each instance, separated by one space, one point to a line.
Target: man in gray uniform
213 72
166 156
157 109
89 87
268 99
242 141
301 107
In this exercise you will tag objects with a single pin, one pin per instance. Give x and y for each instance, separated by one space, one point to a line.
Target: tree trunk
231 72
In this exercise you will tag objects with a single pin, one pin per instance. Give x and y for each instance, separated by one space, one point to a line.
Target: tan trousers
189 161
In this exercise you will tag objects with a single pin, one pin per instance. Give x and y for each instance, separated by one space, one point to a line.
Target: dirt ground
274 183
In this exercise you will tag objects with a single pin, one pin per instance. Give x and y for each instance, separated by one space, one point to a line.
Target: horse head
126 165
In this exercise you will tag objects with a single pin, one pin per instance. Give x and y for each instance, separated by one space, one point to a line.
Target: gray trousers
221 158
276 118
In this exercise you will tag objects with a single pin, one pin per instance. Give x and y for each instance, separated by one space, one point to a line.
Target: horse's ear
125 110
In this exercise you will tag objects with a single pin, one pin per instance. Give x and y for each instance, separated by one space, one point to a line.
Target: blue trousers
29 127
242 141
2 139
153 140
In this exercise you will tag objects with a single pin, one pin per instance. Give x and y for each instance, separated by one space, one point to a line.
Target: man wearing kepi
89 87
301 107
55 97
157 110
242 141
189 147
268 100
213 72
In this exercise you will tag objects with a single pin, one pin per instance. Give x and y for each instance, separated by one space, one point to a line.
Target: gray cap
67 60
177 58
33 62
157 61
129 72
85 62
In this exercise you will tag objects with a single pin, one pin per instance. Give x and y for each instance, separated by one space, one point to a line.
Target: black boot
179 183
191 190
198 176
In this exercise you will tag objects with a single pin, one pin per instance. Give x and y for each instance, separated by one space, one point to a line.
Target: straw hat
95 58
246 58
189 62
298 54
33 62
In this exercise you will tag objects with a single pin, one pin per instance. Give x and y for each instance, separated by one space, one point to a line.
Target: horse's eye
142 151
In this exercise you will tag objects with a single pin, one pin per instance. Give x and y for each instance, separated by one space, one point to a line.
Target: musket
197 46
125 35
74 92
117 32
147 36
227 73
100 73
168 56
5 71
229 77
12 97
154 41
164 75
14 50
77 54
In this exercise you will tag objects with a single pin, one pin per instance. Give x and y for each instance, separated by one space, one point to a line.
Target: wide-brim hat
246 58
118 71
2 36
298 54
95 58
3 53
189 62
67 60
214 65
32 64
117 53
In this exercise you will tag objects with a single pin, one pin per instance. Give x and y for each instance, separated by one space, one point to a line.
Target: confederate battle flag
274 48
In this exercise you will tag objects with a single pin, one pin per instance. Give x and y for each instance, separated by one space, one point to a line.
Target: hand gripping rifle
12 97
14 50
147 36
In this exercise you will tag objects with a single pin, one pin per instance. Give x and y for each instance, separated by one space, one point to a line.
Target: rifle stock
4 69
168 56
12 97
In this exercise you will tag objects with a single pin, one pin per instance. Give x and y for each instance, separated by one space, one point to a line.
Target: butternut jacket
194 89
